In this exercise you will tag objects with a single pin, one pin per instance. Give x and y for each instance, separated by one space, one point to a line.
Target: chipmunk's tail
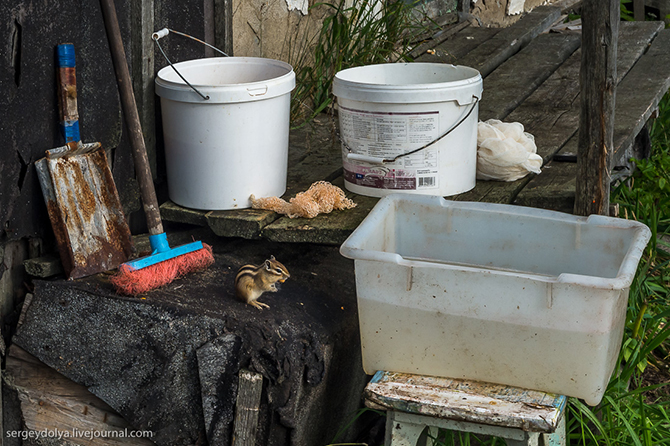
161 267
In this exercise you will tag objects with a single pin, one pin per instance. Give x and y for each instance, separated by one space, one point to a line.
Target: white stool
414 403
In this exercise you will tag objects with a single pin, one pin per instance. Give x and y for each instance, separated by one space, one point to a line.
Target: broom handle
142 169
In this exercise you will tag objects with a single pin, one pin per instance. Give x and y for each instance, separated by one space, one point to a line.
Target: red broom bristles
134 282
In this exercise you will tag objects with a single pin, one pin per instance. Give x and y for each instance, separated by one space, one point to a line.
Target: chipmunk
252 281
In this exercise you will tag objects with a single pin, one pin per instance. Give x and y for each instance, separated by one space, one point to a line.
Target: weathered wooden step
516 79
492 53
458 45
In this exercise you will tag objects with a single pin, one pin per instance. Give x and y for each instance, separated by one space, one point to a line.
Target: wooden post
223 19
142 65
463 6
600 26
246 408
638 10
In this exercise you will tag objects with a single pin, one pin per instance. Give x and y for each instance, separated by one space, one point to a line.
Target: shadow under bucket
221 150
408 128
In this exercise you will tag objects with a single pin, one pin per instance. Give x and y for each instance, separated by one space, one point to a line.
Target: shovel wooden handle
67 92
132 118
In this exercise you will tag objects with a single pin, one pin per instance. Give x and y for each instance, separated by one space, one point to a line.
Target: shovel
82 201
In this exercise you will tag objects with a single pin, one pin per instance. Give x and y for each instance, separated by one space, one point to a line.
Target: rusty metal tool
78 188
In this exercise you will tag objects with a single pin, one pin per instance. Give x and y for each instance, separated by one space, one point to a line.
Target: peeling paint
300 5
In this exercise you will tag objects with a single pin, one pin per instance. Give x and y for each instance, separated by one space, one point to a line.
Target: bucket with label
408 128
225 127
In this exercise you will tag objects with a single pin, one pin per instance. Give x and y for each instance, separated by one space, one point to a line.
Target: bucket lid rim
473 78
172 84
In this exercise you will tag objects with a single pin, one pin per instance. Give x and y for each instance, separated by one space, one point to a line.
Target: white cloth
505 152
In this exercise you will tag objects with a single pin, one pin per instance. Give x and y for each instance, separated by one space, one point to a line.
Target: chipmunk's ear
272 257
267 264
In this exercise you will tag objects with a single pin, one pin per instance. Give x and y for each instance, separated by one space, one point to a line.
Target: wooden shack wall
29 33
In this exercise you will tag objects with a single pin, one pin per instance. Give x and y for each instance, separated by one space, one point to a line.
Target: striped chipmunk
252 281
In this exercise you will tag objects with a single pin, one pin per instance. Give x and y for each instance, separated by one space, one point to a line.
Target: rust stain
87 217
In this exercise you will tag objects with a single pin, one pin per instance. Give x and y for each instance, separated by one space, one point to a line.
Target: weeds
361 32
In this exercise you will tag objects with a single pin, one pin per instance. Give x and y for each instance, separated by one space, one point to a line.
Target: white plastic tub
388 110
220 151
498 293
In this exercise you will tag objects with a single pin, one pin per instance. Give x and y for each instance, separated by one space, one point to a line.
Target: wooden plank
551 112
51 402
458 45
178 214
245 223
494 191
638 95
330 229
247 408
634 40
640 92
437 39
492 53
638 10
515 80
469 401
553 189
551 115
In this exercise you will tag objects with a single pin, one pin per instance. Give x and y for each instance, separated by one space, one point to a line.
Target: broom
164 264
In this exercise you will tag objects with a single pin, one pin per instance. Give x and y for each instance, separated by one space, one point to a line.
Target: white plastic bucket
388 110
221 150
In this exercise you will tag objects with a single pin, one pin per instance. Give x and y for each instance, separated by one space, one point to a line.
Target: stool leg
558 438
401 433
532 439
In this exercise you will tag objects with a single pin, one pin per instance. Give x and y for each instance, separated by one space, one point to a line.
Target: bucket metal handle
376 160
164 32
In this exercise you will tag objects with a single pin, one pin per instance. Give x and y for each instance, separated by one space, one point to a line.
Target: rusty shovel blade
84 209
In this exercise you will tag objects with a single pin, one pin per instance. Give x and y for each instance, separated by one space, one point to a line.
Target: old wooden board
458 45
553 189
494 191
178 214
469 401
437 39
330 229
50 401
245 223
519 76
490 54
638 95
247 408
551 113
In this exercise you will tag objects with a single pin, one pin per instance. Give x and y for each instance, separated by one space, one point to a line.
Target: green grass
350 36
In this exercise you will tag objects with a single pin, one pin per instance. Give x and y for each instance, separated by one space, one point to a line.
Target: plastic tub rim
351 247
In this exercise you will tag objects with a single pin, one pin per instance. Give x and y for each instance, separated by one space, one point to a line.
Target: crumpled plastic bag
505 152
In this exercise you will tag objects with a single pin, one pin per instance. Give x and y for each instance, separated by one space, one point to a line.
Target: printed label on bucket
387 135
